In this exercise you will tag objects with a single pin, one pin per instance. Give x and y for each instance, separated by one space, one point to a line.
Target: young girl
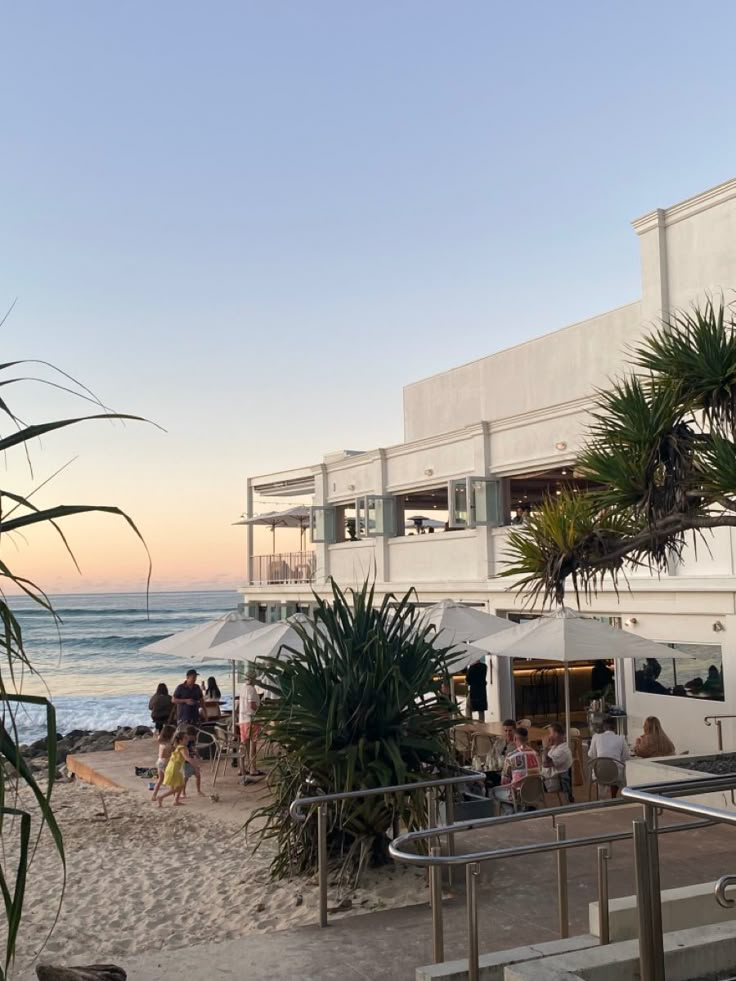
164 753
174 774
193 766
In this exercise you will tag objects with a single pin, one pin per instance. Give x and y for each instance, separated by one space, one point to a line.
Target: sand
143 878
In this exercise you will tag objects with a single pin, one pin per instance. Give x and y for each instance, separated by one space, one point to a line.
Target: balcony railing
283 567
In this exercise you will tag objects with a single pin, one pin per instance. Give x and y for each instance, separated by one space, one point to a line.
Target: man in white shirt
609 744
557 762
249 703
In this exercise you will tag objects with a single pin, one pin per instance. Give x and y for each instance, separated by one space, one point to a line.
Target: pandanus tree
661 459
362 705
25 800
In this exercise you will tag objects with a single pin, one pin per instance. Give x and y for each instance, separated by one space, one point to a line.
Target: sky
253 223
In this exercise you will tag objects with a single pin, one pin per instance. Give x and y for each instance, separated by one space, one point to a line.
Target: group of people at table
512 759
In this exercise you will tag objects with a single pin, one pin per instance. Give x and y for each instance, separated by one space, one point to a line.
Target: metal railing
283 567
649 900
710 719
472 861
320 802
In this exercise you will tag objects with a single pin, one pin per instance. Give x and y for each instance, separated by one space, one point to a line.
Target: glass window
698 677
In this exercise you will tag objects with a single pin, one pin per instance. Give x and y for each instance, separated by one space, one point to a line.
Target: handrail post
562 898
450 820
719 727
435 898
322 862
650 815
643 899
604 930
472 871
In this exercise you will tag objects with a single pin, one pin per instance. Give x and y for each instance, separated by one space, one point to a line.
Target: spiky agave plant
20 823
360 706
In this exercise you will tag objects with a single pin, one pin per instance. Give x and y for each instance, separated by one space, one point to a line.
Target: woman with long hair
654 741
212 692
160 706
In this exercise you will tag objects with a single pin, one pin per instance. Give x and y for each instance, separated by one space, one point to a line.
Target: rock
142 731
76 734
95 972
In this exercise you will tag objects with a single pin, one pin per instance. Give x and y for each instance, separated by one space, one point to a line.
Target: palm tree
21 822
661 453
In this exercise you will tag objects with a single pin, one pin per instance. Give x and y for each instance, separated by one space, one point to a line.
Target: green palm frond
360 706
695 353
568 537
642 451
15 660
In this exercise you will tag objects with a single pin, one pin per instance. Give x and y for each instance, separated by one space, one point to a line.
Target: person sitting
557 762
713 683
610 745
518 518
160 706
522 762
654 741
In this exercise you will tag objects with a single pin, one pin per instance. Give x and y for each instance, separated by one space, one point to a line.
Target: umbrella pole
232 714
567 703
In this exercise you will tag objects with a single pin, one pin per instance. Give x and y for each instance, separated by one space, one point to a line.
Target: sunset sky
252 223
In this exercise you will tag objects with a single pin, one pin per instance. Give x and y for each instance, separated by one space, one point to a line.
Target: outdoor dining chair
528 793
606 773
462 745
228 748
481 745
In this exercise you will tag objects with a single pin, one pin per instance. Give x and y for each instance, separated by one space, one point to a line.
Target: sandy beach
141 878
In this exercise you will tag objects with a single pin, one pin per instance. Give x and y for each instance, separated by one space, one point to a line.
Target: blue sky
253 223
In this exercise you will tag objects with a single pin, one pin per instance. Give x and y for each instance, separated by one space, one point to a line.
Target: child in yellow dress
174 778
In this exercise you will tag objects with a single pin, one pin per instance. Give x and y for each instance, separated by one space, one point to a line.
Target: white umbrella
296 517
420 521
568 636
268 641
203 642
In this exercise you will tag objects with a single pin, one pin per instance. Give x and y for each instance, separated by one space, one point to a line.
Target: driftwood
94 972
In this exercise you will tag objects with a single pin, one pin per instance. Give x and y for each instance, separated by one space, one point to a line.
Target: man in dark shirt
188 699
477 701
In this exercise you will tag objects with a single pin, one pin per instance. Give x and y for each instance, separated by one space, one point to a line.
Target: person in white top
250 730
557 762
609 744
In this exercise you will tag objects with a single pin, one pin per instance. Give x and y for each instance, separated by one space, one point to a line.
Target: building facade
487 439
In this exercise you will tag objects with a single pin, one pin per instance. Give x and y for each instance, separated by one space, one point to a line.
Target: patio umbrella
568 636
296 517
268 641
459 626
420 521
203 642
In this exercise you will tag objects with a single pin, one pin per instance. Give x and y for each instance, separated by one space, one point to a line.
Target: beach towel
174 774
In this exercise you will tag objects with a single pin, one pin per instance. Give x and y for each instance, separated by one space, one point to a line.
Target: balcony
283 567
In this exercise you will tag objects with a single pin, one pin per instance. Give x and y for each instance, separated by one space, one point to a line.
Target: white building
513 422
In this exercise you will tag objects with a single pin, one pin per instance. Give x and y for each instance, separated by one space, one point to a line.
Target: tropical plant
25 804
361 706
660 459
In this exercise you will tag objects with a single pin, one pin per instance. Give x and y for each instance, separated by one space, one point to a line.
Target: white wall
451 556
556 369
351 563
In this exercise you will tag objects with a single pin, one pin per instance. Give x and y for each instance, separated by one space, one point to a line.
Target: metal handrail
655 798
322 800
472 861
710 719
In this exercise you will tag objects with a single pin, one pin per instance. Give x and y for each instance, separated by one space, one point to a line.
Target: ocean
90 664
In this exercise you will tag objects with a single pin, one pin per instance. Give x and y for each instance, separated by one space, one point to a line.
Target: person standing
188 700
249 703
477 701
160 707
